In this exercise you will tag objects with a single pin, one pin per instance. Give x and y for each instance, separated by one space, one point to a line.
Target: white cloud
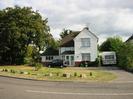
124 21
5 3
104 17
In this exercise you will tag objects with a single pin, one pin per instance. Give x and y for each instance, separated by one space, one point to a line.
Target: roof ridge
131 37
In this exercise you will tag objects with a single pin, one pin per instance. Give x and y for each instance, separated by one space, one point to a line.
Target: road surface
11 88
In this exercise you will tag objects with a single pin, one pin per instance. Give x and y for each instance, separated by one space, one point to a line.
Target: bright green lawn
43 73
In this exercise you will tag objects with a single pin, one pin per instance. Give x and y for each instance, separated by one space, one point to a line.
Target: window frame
85 42
85 57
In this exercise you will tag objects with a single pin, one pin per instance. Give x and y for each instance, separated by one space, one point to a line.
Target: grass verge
56 74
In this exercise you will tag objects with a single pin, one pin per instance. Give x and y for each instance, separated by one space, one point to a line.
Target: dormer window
85 42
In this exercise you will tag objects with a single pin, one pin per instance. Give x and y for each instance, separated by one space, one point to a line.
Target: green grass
43 73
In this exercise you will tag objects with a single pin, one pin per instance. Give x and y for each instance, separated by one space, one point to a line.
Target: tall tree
20 27
51 42
64 33
111 44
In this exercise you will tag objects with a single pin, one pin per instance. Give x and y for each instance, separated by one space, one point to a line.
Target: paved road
11 88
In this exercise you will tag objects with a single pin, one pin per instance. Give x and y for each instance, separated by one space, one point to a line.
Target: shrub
88 63
38 66
83 76
125 57
5 70
90 73
12 71
28 60
81 64
75 74
67 75
57 73
21 72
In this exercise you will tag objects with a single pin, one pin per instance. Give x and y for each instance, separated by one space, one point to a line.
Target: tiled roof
67 41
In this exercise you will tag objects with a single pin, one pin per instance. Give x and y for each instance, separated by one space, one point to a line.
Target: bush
12 71
5 70
125 57
57 73
28 60
90 73
88 63
75 74
38 66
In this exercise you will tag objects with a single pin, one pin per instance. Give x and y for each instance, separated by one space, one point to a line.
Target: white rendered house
79 46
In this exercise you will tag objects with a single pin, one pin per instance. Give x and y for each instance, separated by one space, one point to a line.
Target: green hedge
125 57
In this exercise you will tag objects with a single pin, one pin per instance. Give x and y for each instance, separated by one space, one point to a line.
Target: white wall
44 58
79 49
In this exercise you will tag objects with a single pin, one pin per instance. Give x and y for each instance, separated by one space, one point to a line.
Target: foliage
111 44
89 64
20 28
64 33
38 66
28 61
51 42
29 55
75 74
125 56
32 55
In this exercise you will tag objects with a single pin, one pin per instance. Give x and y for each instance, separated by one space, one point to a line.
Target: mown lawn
56 74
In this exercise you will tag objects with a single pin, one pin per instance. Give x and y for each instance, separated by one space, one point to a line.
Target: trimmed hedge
125 57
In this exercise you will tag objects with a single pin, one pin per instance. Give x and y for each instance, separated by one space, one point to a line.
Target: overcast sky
104 17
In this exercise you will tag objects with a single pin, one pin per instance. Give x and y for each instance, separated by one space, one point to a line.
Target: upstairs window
85 42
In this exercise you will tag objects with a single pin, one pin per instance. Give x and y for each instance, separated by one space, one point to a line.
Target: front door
69 60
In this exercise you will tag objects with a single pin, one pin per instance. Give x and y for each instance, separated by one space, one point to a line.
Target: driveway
122 75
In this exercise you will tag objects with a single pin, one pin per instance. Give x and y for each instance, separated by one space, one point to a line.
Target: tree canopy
64 33
111 44
19 28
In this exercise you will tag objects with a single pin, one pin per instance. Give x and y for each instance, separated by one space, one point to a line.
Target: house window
86 57
49 57
67 57
85 42
110 57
